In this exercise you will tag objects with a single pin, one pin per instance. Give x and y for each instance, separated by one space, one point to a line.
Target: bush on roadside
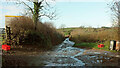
45 35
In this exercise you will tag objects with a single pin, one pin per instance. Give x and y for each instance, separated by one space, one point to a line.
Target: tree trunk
36 14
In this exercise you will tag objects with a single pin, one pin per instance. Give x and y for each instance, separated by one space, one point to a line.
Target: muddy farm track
63 55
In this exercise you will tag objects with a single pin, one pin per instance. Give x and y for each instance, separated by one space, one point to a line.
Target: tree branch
50 15
28 7
47 3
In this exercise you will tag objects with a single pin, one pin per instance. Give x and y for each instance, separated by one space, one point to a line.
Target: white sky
17 10
67 0
83 0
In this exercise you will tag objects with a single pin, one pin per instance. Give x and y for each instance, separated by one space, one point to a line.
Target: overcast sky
72 13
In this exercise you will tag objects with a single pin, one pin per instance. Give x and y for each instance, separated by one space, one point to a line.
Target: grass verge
94 45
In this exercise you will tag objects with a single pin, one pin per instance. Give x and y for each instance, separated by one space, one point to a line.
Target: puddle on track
65 55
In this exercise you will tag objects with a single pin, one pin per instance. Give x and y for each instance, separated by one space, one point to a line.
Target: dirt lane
65 55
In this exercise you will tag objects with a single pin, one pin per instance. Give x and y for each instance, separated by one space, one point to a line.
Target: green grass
90 45
94 45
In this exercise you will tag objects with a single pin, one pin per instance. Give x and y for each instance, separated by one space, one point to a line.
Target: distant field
90 34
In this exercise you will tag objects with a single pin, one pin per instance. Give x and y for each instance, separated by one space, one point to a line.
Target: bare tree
115 7
40 8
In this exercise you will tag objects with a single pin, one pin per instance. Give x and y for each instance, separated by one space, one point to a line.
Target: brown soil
92 56
23 56
33 56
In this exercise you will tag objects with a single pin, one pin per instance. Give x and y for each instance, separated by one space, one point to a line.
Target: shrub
45 35
94 35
